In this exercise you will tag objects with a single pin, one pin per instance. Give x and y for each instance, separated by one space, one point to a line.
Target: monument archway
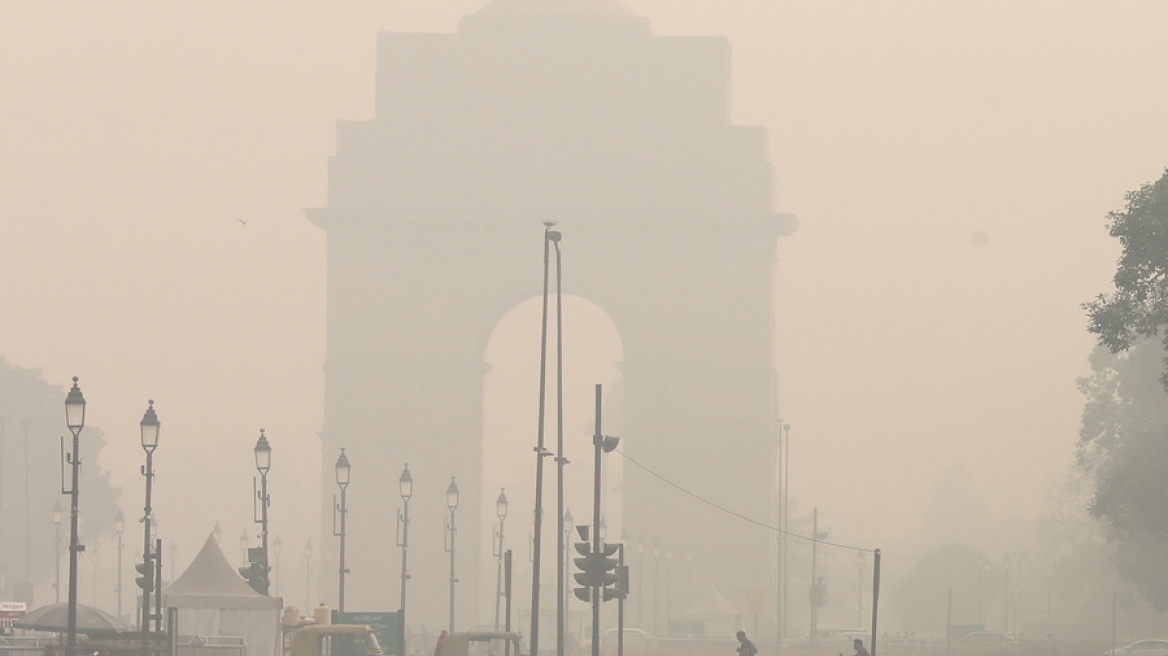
569 110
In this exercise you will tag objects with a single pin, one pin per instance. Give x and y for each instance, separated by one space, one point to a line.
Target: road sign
385 624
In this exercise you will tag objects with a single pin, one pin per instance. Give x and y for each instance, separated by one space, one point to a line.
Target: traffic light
620 588
596 570
584 577
255 573
145 578
819 594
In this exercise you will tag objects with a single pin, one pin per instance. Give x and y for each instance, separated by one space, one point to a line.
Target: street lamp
148 430
501 513
405 487
263 463
119 528
75 420
452 504
343 470
58 517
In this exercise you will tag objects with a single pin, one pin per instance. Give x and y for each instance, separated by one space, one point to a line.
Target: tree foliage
1138 308
1123 445
32 422
920 600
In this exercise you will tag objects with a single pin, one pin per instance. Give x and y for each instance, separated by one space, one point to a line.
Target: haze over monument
950 167
572 111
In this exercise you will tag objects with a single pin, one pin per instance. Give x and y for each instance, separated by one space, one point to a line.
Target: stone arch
568 111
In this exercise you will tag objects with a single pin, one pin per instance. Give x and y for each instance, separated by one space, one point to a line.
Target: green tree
1123 446
32 421
921 598
1138 308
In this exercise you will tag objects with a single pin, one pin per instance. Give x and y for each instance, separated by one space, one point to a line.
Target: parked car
632 636
1151 647
988 642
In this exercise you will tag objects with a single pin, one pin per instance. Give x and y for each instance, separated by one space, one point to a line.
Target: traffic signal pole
597 545
622 573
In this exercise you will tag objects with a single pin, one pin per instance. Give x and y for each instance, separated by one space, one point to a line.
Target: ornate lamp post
405 486
148 429
452 504
75 420
58 517
343 470
501 513
119 528
263 463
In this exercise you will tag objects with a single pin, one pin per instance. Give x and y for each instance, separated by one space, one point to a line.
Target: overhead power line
732 513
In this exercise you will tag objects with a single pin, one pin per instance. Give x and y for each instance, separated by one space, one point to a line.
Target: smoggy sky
951 165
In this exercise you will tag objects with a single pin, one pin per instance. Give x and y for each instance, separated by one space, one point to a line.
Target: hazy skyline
951 167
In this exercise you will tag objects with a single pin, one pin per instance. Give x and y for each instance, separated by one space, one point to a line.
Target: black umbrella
55 618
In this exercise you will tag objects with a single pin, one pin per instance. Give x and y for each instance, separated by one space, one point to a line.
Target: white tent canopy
213 600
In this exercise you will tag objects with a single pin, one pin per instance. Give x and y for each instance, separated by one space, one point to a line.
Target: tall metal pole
540 451
158 585
561 589
597 545
620 605
566 565
875 598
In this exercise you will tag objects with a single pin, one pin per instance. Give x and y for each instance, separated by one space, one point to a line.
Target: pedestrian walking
746 647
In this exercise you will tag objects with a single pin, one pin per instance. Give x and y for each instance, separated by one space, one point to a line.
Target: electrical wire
740 515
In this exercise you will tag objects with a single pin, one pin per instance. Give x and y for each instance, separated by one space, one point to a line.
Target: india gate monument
571 111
